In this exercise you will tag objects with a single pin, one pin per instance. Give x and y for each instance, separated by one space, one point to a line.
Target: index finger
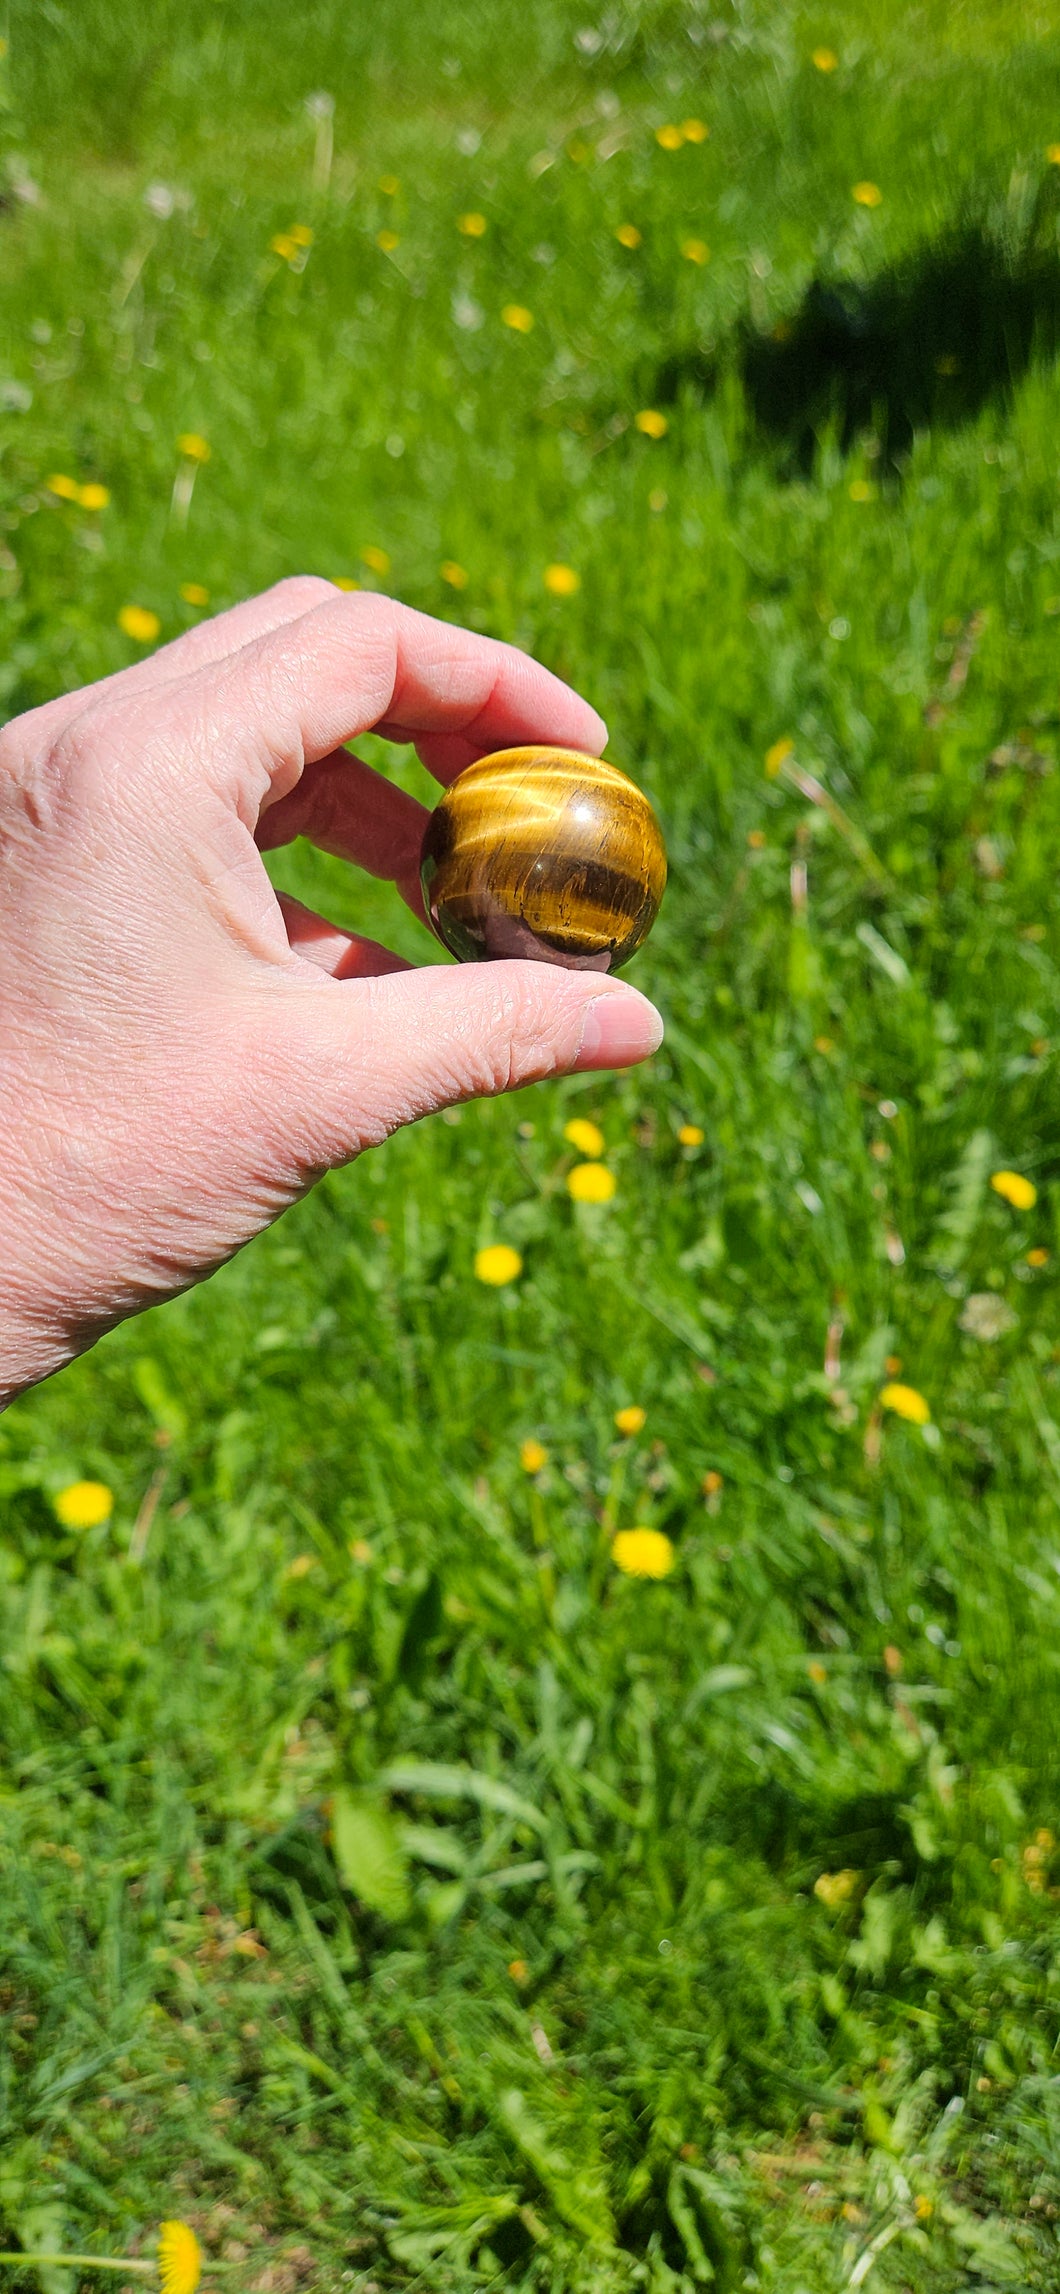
527 703
357 663
457 694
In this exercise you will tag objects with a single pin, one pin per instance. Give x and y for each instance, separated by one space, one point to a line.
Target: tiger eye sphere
543 853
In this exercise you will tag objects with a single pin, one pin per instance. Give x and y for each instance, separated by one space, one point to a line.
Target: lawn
393 1888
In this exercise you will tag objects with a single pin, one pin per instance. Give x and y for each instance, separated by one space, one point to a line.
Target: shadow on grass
925 345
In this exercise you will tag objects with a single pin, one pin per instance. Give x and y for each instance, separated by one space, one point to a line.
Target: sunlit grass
401 1877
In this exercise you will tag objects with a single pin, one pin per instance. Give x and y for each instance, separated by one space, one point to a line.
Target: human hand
183 1051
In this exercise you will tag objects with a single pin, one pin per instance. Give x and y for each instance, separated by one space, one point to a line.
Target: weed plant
391 1886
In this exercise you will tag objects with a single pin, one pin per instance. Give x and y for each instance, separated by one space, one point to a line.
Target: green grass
342 1716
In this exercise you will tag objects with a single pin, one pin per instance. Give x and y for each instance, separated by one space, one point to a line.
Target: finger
358 661
210 641
521 700
344 955
226 633
345 808
446 753
367 1058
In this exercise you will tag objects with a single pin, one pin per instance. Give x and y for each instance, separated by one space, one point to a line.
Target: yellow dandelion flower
377 560
695 130
179 2258
93 496
669 138
473 226
778 755
643 1553
193 446
387 241
390 185
906 1403
518 1970
193 593
630 1419
866 194
835 1887
712 1483
497 1265
1052 153
301 234
695 251
591 1183
824 59
453 573
84 1505
690 1135
628 235
1033 1858
1015 1189
585 1136
923 2207
518 318
139 622
561 581
284 245
861 490
817 1672
66 489
301 1565
756 838
344 581
532 1456
1038 1257
651 422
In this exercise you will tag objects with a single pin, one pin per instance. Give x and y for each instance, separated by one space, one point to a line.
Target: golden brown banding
544 852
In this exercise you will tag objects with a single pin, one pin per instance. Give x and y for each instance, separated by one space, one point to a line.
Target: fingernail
618 1029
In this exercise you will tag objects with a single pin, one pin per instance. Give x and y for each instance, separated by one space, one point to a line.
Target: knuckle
303 591
12 746
518 1042
76 751
500 1061
79 775
27 739
372 615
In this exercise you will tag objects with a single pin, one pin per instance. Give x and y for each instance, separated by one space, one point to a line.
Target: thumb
380 1052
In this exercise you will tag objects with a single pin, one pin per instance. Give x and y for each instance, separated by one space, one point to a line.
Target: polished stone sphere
543 853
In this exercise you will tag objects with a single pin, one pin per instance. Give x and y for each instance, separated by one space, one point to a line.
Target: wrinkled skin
182 1050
